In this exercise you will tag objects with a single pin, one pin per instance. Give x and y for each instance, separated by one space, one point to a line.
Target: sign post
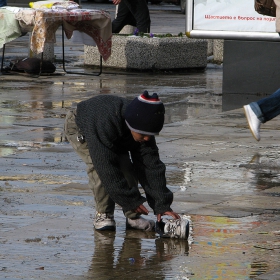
228 19
251 60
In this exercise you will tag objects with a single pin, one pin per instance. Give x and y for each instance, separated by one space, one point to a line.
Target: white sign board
228 19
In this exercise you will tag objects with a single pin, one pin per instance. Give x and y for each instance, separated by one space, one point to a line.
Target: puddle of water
128 252
263 170
257 174
11 148
7 151
218 251
214 238
219 247
221 238
41 105
180 92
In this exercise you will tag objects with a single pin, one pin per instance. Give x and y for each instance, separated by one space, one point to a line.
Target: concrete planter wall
145 53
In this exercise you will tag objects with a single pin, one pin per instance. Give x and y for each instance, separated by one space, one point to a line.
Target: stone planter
143 53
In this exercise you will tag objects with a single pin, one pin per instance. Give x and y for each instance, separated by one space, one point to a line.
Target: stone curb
152 53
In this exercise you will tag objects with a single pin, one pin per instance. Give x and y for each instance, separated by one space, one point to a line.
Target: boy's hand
168 213
141 209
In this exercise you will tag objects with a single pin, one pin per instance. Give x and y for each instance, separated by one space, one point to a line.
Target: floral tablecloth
45 22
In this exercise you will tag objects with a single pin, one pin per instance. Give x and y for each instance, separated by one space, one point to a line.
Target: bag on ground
31 65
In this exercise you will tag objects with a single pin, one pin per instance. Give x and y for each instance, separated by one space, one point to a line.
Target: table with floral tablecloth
45 22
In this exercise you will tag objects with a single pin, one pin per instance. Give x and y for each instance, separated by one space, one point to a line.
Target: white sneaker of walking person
253 121
173 228
140 223
104 221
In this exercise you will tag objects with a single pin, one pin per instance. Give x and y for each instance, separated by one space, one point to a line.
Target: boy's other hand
141 209
168 213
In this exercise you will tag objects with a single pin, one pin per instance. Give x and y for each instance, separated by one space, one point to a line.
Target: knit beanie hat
145 114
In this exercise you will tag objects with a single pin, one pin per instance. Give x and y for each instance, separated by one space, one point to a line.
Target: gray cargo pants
103 202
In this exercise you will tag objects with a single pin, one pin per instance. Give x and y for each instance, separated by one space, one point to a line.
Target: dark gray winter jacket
101 121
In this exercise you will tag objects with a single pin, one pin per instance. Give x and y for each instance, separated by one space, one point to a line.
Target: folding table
45 22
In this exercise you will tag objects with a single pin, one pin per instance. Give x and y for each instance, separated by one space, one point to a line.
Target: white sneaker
140 223
253 121
104 221
173 228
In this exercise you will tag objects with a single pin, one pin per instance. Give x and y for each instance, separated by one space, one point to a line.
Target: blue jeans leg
267 108
3 3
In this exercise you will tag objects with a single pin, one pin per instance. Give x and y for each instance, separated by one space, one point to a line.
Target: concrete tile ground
226 181
221 177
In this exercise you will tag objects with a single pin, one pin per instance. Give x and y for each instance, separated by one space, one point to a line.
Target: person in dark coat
115 137
132 12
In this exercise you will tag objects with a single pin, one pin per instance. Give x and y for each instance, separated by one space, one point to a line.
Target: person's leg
3 3
103 203
262 111
139 9
124 17
267 108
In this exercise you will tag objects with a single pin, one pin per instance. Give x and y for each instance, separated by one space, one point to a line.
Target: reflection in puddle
220 238
192 94
41 105
259 174
10 148
263 170
134 253
42 138
215 238
258 268
6 151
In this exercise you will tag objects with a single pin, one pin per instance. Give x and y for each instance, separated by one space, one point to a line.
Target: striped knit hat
145 114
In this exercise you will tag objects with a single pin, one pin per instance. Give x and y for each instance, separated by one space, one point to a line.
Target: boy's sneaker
104 221
140 223
173 228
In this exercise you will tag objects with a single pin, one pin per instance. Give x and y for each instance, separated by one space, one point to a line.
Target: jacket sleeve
151 173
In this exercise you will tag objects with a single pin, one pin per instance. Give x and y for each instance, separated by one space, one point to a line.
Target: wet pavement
221 177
